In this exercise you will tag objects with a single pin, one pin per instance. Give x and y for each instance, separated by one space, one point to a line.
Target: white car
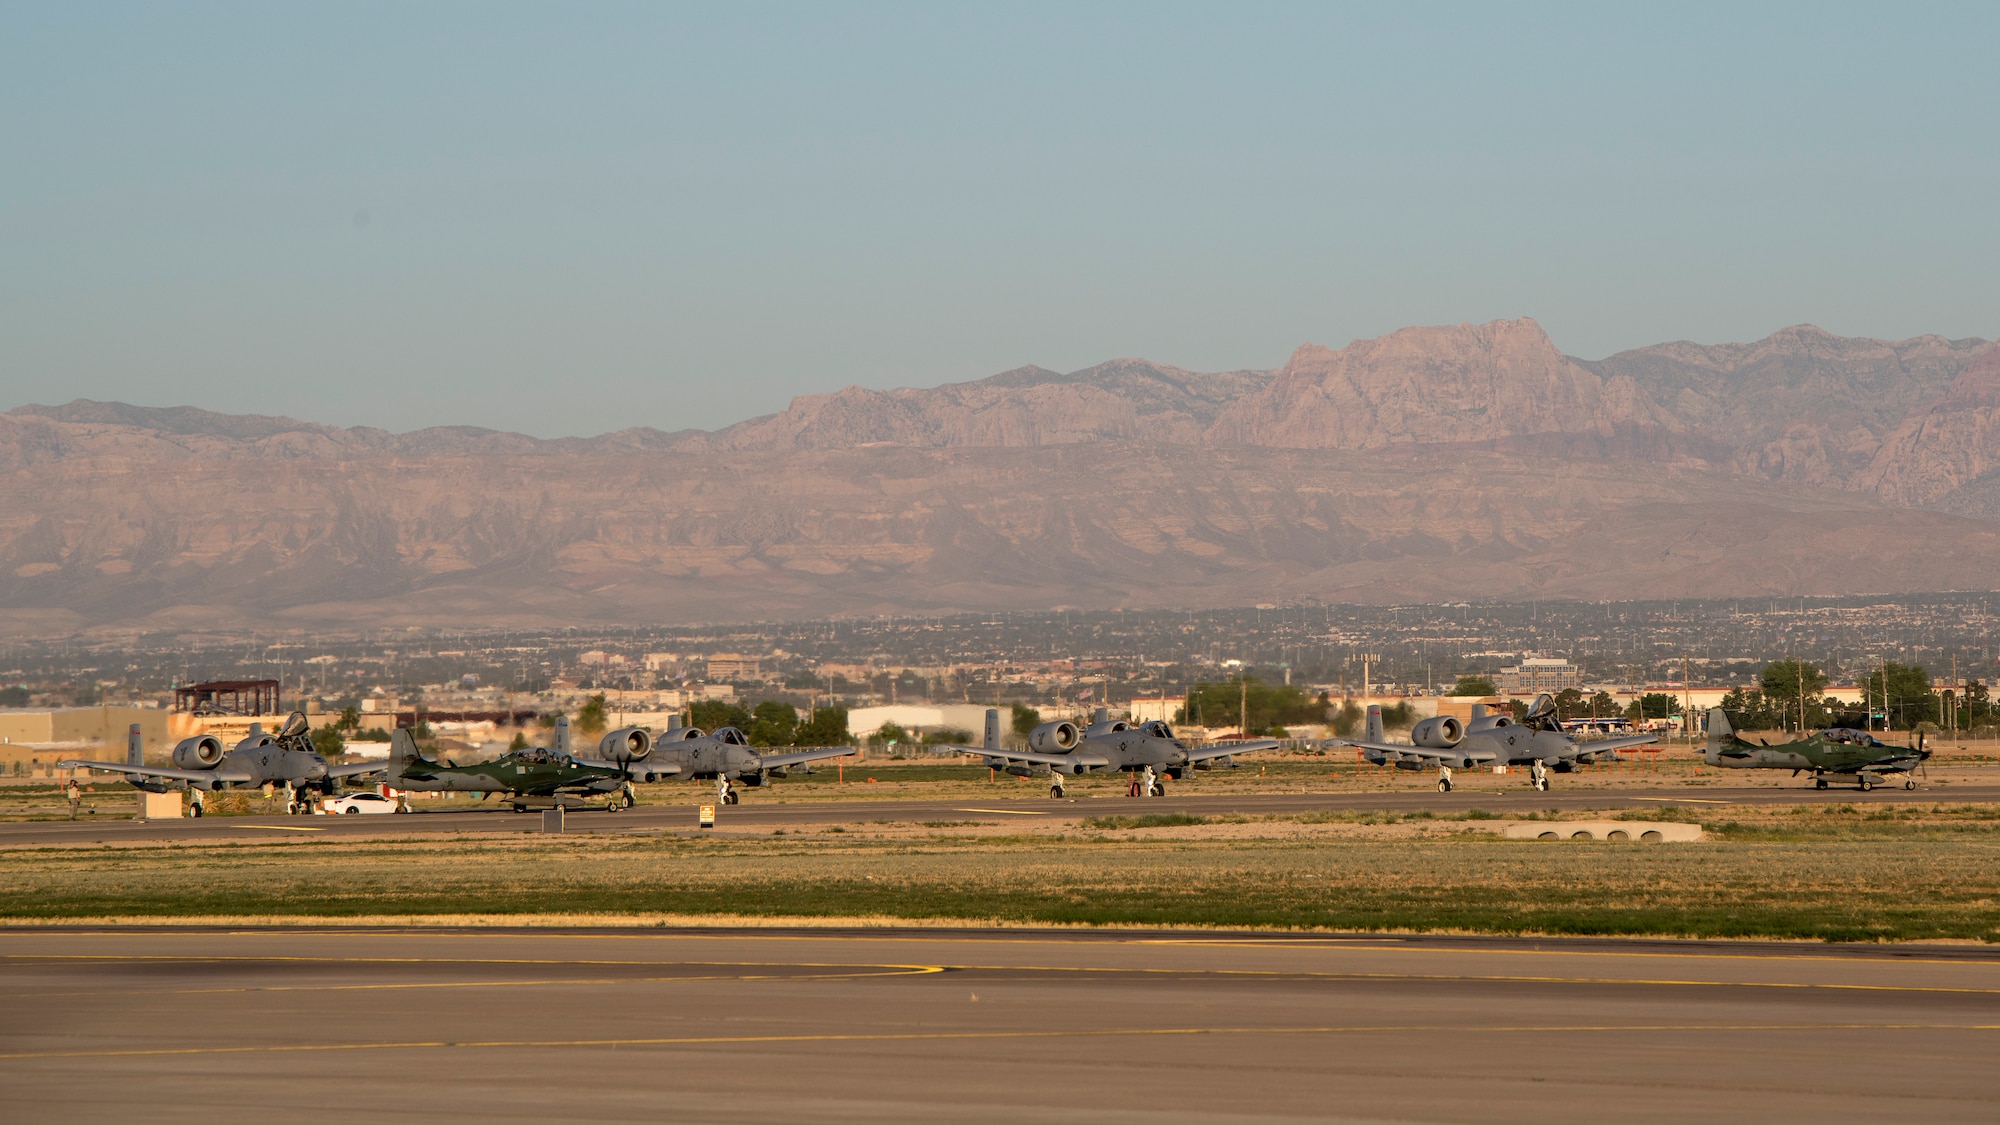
352 803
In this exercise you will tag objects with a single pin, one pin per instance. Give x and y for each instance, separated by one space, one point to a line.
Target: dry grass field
1828 872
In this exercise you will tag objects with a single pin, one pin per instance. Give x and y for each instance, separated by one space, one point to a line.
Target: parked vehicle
351 803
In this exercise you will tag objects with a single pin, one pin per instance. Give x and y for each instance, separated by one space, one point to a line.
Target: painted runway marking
918 1036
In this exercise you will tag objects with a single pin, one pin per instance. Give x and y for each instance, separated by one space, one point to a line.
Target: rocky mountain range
1432 463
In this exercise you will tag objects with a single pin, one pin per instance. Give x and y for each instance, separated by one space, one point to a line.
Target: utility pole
1243 707
1687 701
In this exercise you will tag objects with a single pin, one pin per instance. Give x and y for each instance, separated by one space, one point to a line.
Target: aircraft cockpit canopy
1157 729
730 736
1849 734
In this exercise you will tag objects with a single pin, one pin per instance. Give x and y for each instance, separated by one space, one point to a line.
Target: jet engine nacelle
627 744
202 752
1441 733
1054 738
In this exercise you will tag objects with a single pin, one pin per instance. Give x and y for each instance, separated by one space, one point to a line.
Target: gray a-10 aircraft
286 758
723 754
1496 740
1841 751
1149 749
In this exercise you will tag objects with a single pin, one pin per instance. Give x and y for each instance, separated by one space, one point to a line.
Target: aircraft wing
1896 764
1603 745
355 769
1225 749
1094 761
780 761
1406 750
232 776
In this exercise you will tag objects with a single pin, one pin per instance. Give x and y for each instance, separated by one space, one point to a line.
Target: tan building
735 666
1538 674
46 734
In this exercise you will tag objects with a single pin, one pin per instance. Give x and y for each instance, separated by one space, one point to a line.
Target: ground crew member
1540 775
1444 778
75 794
1055 784
1148 784
722 794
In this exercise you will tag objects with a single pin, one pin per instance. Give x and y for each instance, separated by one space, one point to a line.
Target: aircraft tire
520 808
1910 784
1866 785
1819 783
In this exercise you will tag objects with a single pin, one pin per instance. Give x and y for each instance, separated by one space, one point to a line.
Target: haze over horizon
571 221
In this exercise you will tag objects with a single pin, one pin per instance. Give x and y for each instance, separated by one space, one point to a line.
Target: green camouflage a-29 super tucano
1840 751
537 776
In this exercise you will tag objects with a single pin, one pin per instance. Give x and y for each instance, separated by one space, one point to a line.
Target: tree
891 735
327 742
520 741
1346 719
1271 705
1398 716
773 723
1905 689
827 727
349 719
1026 719
714 714
1601 704
1652 705
1974 708
591 718
1474 685
1795 694
15 696
947 736
1569 703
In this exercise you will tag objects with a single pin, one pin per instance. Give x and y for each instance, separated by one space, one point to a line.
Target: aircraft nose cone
316 769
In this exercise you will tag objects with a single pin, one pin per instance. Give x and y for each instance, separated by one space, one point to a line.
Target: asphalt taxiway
677 809
983 1025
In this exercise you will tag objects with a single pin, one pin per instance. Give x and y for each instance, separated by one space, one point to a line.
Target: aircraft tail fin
135 746
1721 732
1373 731
674 724
562 735
402 750
1478 711
992 729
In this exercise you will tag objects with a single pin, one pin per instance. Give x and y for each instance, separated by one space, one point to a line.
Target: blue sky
566 219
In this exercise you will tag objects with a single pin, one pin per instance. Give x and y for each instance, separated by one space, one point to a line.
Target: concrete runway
761 813
982 1025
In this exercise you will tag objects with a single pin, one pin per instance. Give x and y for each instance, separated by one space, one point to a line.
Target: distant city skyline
572 220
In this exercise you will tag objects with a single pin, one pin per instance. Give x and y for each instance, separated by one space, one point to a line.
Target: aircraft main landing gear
1866 783
1819 783
1910 784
